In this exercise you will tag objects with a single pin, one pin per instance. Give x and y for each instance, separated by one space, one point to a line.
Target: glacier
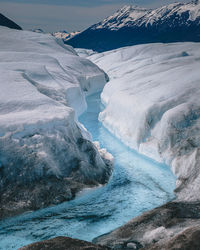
43 148
152 105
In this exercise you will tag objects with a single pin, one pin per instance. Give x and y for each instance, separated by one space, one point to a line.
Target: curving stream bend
138 184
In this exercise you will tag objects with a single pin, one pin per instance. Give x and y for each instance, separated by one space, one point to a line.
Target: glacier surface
153 106
43 85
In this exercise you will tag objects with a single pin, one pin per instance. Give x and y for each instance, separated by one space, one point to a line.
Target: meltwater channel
138 184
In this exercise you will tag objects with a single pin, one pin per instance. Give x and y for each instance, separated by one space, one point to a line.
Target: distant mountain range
4 21
64 35
134 25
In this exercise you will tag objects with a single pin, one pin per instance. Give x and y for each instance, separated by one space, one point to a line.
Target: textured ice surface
137 185
153 106
85 52
43 84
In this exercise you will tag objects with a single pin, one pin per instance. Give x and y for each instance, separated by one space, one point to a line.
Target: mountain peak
134 25
127 14
125 8
129 8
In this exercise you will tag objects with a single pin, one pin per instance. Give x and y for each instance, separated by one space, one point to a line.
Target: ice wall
43 84
152 104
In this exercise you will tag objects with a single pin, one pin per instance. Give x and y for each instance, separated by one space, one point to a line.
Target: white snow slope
42 91
153 105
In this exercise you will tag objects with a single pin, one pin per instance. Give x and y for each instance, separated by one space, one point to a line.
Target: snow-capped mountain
4 21
134 25
64 35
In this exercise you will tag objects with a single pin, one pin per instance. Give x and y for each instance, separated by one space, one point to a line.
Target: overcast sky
70 15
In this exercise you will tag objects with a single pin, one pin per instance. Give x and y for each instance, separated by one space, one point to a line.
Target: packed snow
152 104
43 85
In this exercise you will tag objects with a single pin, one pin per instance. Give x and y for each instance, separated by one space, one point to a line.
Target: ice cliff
46 156
152 104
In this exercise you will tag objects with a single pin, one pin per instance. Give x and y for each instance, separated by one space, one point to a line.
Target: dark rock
189 239
63 243
24 188
160 228
16 199
180 218
4 21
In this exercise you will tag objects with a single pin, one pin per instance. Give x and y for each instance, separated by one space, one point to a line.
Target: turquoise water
138 184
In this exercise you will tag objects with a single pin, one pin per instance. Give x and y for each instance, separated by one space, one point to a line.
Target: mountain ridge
131 25
4 21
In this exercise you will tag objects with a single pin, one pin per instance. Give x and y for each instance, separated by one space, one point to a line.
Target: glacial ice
138 184
152 105
43 84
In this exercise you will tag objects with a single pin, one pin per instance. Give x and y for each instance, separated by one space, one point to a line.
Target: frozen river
138 184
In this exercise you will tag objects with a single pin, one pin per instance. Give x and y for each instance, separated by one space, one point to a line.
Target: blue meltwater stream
138 184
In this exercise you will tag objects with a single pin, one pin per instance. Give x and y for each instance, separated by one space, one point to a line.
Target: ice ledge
152 105
43 84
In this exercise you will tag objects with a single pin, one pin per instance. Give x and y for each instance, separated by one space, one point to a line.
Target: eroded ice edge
153 106
43 85
138 184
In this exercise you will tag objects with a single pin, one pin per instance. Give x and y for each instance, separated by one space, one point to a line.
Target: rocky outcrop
16 199
4 21
189 239
63 243
176 225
